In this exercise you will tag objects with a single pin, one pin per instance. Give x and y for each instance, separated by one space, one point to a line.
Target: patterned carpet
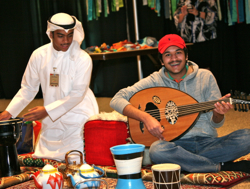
112 184
232 180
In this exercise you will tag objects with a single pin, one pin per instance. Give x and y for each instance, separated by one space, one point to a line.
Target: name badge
54 80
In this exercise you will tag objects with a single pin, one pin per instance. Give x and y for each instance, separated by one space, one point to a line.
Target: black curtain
24 23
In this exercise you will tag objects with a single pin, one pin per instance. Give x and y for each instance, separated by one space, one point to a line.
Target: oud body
154 101
175 110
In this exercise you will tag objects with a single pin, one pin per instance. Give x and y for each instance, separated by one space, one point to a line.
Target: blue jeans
202 154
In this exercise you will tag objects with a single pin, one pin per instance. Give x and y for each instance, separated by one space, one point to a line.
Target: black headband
69 26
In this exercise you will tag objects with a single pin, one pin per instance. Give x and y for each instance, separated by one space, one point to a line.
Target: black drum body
10 131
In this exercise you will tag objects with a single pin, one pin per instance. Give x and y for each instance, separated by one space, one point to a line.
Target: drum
10 131
166 176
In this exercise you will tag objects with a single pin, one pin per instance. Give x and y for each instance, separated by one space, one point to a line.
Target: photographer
196 20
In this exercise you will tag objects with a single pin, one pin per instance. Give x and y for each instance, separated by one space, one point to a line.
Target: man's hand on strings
154 127
151 124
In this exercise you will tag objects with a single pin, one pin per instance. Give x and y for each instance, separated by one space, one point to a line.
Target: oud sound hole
153 111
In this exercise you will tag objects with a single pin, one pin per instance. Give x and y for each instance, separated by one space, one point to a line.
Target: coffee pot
84 173
71 169
48 178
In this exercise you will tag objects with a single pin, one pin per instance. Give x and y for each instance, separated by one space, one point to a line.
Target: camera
189 6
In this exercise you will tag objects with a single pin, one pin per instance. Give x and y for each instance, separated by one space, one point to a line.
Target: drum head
11 129
166 167
11 121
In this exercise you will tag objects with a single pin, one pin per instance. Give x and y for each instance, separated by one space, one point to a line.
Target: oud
175 110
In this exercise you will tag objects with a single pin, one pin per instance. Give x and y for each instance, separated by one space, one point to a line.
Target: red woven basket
99 137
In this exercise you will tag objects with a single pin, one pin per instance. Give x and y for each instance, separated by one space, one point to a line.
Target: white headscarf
65 19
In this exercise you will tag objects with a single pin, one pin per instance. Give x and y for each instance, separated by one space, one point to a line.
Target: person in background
63 70
196 20
199 149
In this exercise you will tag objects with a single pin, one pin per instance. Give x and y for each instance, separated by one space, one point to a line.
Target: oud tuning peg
246 110
247 105
238 96
244 97
239 108
235 107
244 106
234 95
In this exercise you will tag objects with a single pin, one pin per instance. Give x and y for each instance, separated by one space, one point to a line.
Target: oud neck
200 107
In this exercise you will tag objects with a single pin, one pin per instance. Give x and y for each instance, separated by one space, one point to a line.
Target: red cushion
99 137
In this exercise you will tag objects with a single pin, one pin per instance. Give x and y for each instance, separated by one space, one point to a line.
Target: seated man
63 70
199 149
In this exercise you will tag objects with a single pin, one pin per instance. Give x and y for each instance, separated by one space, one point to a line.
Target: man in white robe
63 70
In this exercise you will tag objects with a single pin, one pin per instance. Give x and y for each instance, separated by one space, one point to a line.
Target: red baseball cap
170 40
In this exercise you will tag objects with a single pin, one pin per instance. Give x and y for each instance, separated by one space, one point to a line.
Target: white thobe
68 106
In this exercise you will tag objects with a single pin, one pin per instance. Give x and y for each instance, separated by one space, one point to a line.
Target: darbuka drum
10 131
166 176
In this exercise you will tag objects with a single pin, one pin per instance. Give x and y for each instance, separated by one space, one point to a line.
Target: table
122 54
130 53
